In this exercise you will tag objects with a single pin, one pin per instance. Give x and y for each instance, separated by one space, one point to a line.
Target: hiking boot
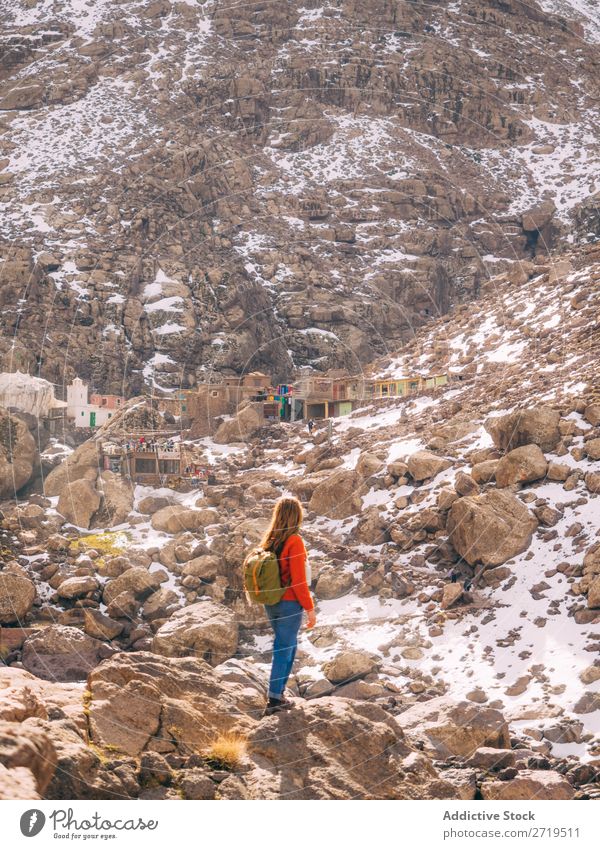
276 706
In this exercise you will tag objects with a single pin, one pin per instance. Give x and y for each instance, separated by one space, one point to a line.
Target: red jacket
292 566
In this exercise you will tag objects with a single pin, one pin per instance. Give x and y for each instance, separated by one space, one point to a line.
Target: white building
26 394
93 412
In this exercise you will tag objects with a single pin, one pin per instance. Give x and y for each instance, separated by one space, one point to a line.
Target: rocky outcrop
165 704
18 454
490 528
336 749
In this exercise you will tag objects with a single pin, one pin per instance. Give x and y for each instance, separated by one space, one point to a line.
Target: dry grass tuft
227 751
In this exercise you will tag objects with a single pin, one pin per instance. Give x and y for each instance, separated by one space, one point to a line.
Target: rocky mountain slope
192 187
455 553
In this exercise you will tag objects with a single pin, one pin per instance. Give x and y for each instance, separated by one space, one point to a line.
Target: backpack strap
278 555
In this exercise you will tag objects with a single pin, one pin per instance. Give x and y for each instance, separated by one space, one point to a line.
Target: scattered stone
348 666
529 784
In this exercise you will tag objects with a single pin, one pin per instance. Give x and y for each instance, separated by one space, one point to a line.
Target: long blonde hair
285 521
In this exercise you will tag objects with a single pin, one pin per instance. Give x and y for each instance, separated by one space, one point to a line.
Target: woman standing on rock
283 539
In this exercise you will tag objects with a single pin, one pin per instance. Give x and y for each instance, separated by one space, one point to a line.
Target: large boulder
161 604
592 482
372 528
154 503
100 626
539 216
521 465
454 728
136 580
333 583
490 528
368 465
176 518
33 709
592 448
425 464
142 700
17 783
84 462
60 653
593 596
78 502
18 454
337 497
592 414
206 630
77 586
485 471
248 419
206 566
532 784
537 425
17 594
117 495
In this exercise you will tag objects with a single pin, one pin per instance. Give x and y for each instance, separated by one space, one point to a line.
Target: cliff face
187 188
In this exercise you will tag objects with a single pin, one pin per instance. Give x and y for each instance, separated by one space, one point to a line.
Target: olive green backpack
262 579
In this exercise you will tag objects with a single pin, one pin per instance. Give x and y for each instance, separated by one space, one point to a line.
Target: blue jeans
285 618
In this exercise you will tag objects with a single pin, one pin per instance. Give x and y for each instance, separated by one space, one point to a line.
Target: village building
93 412
312 396
148 459
33 396
400 386
336 393
212 400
